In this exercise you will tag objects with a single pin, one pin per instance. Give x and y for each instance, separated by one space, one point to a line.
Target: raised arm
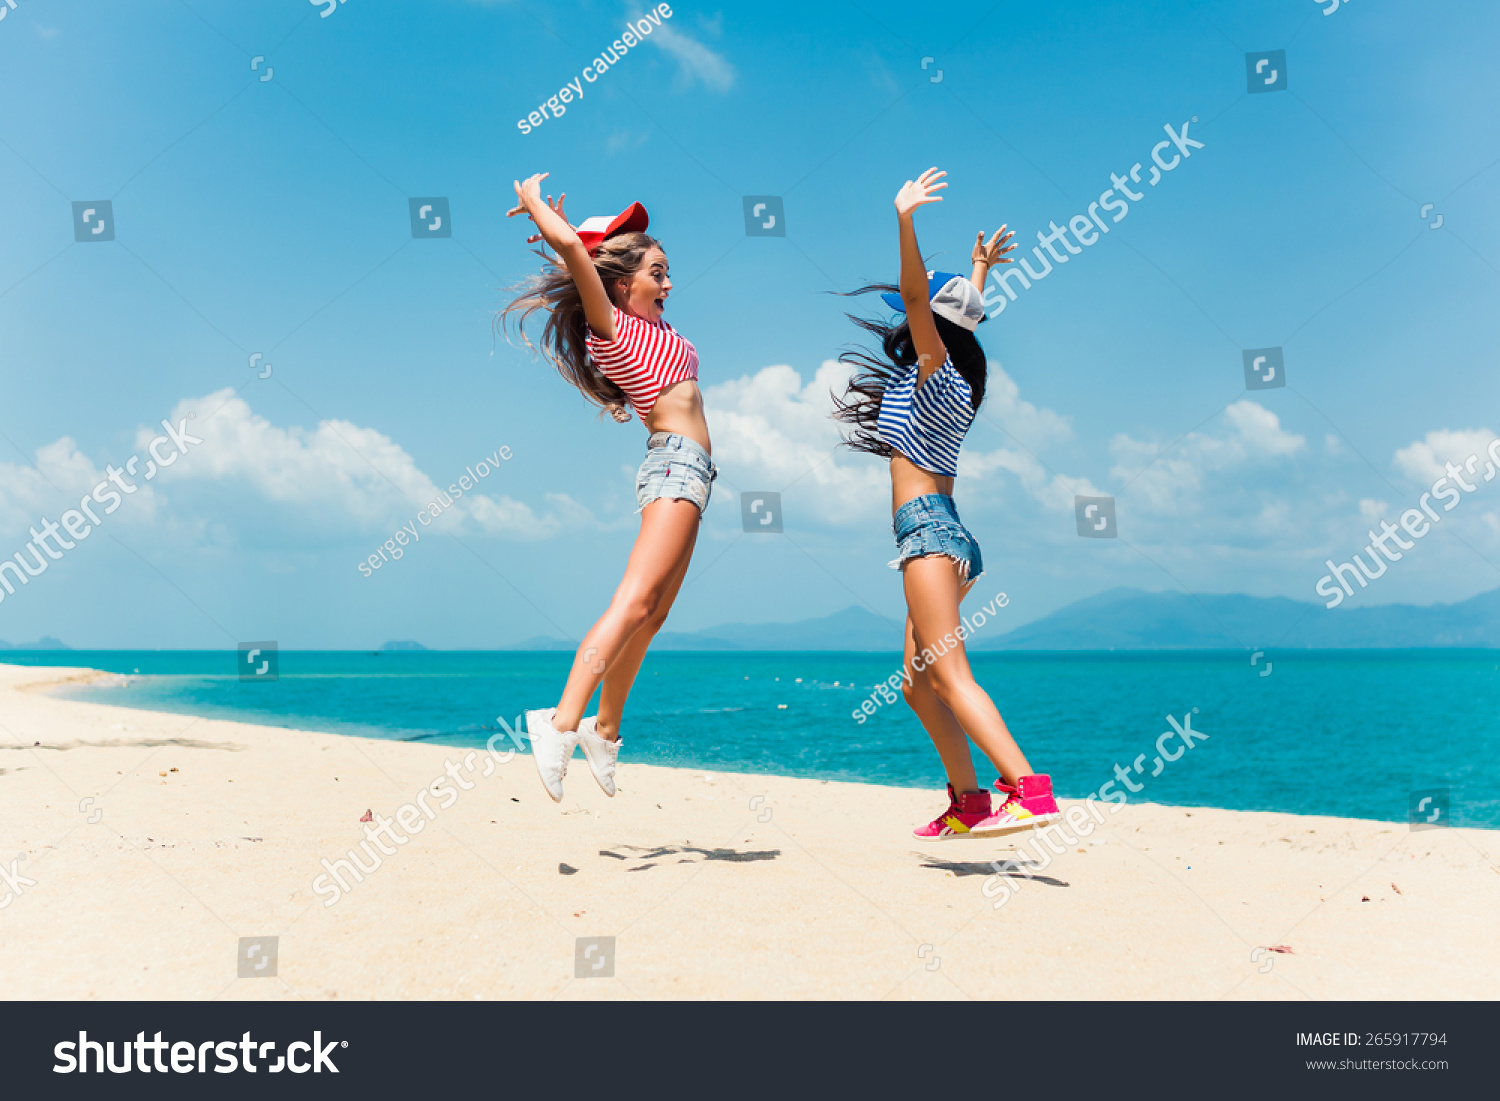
598 310
987 256
914 293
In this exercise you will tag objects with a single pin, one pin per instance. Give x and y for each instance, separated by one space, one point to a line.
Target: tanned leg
668 530
621 673
939 722
933 586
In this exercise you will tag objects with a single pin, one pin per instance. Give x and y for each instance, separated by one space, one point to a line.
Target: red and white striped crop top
644 358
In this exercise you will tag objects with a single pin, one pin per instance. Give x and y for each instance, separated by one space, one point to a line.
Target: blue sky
271 216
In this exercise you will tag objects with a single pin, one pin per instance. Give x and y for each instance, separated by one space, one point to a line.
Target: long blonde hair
564 337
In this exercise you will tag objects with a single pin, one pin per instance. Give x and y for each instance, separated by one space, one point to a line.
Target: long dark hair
565 334
860 403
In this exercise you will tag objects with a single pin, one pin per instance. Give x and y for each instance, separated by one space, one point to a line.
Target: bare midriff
679 409
909 481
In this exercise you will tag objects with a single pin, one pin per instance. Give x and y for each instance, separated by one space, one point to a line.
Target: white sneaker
601 753
551 749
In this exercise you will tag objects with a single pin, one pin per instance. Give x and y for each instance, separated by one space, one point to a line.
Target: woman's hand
553 228
528 196
919 192
557 209
529 201
913 284
551 223
994 252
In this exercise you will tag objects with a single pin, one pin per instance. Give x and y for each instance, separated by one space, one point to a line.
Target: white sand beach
195 833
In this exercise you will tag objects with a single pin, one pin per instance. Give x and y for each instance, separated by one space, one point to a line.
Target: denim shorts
677 469
929 525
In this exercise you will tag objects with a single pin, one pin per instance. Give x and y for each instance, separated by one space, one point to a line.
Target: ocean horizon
1343 733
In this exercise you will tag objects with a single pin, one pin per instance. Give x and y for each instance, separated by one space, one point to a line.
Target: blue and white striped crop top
927 424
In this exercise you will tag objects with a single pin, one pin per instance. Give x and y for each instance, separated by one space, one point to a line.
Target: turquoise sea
1350 733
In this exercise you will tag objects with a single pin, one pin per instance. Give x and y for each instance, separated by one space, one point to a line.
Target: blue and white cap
953 299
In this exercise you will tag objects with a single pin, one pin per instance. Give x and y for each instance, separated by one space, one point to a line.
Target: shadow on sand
139 743
979 867
659 853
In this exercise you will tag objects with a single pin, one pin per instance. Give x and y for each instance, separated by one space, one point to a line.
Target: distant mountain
854 628
403 645
46 642
1130 619
543 642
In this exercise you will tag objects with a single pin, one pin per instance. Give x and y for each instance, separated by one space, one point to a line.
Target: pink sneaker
1028 805
962 813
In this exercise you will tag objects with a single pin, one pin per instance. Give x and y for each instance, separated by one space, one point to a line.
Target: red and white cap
593 232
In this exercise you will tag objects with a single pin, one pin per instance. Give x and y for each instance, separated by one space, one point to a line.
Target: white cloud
695 60
1035 428
335 478
1054 492
1260 431
1170 484
25 491
770 426
1423 460
622 141
878 71
782 432
61 475
341 472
